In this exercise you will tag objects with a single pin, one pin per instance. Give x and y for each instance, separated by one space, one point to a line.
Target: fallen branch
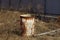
50 32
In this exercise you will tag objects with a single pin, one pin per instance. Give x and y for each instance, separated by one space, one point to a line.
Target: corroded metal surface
27 25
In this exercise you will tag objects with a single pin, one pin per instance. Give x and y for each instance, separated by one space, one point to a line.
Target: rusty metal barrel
27 24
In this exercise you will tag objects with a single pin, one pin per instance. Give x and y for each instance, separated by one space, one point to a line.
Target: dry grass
9 27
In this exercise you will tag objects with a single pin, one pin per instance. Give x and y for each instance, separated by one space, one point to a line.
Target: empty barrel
27 25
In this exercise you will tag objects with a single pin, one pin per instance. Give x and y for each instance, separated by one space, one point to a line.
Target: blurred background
47 18
35 6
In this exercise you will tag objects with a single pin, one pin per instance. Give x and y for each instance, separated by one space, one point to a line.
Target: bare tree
0 5
9 3
30 7
19 4
44 7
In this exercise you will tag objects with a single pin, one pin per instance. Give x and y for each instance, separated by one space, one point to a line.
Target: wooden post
27 24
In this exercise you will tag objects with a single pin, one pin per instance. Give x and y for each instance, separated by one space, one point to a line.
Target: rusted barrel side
27 24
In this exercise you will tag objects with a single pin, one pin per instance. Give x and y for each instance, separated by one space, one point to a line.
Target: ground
9 27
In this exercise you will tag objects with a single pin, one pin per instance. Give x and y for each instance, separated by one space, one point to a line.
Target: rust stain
27 25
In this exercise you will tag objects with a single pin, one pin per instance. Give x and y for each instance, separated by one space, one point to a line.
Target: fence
39 6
